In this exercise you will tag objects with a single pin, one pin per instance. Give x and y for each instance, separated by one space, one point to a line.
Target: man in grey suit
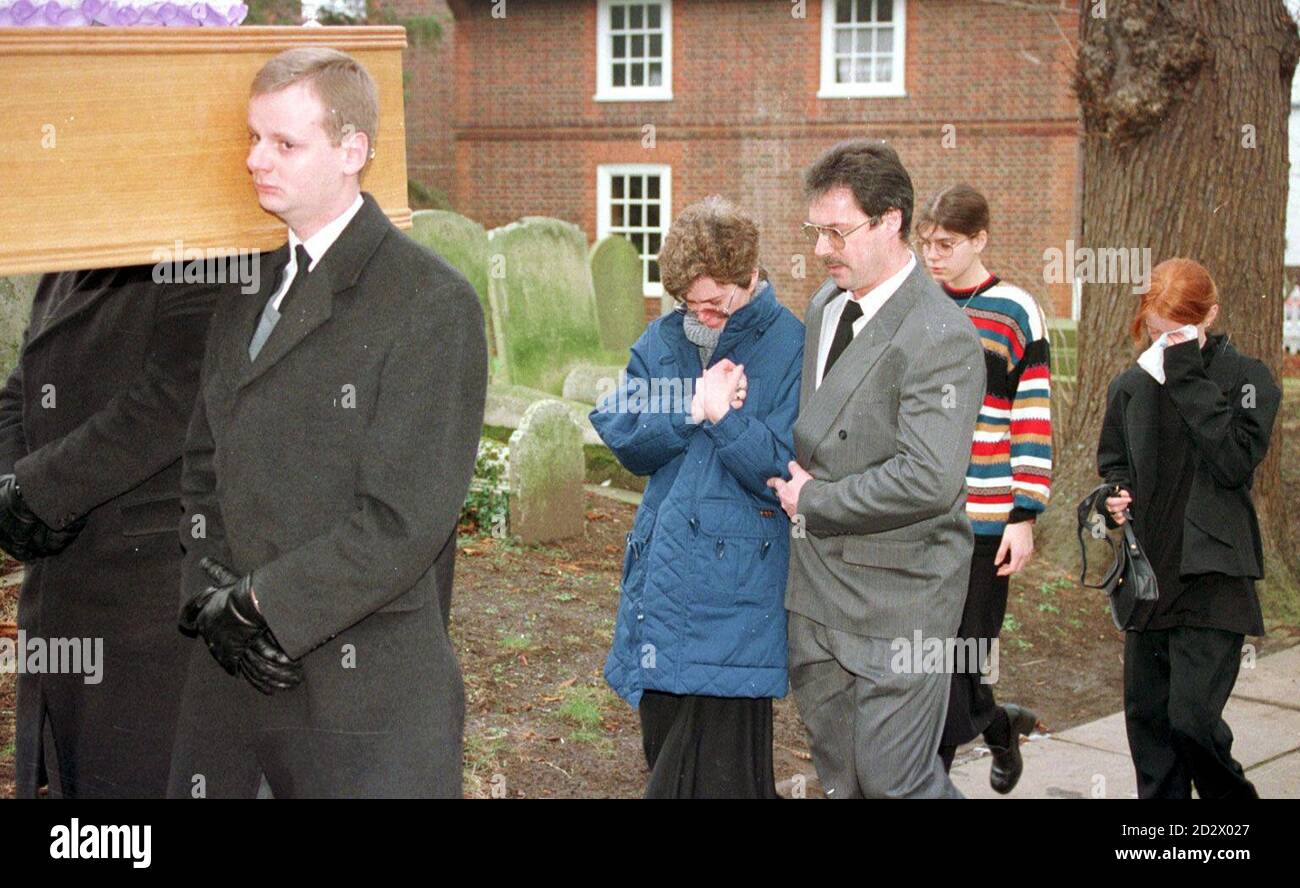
893 375
329 453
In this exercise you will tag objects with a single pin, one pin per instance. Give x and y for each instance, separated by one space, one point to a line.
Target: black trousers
1176 683
971 707
707 747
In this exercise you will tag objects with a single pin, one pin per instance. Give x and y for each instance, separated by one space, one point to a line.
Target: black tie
843 334
299 278
270 316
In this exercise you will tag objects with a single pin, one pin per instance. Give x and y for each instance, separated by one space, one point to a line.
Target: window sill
886 91
621 96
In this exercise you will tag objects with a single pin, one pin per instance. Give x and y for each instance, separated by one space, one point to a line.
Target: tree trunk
1185 108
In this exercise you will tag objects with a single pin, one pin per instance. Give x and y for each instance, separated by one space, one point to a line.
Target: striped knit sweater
1010 474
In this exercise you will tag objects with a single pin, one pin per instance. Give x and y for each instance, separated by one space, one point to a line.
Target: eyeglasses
942 248
685 307
834 235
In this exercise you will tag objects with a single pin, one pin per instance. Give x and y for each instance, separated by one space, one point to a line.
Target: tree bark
1185 106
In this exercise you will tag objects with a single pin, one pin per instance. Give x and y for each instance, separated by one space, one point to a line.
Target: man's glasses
834 235
942 247
694 308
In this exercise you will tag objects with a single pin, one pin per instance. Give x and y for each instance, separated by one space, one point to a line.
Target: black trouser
972 711
1176 683
707 747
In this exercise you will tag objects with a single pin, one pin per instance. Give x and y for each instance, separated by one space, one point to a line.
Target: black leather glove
224 614
236 633
22 533
267 667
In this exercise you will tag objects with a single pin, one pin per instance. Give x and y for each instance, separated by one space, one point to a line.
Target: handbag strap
1088 508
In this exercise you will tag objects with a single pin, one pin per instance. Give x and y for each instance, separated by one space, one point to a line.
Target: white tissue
1153 359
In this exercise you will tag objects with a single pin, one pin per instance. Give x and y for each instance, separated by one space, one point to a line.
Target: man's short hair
872 171
343 85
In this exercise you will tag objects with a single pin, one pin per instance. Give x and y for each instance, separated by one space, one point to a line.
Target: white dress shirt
870 302
316 246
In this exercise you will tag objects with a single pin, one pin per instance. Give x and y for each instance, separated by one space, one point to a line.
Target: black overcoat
92 420
333 468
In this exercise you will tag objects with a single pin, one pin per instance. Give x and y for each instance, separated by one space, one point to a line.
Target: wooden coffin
117 142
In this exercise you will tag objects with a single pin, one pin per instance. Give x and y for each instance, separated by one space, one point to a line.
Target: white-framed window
635 200
634 50
354 8
862 48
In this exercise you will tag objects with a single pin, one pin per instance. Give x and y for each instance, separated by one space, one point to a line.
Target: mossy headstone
543 306
463 243
545 475
620 297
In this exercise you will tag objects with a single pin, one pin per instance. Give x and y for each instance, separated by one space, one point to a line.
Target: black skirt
701 747
971 706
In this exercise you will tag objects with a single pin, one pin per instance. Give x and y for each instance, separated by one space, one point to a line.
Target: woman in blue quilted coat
706 409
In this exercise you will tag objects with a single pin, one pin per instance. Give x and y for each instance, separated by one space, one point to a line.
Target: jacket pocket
637 547
742 552
151 516
884 553
411 600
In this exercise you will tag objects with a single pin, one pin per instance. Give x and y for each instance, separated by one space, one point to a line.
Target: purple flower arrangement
120 13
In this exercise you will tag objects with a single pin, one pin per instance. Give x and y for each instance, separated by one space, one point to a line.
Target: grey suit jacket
886 544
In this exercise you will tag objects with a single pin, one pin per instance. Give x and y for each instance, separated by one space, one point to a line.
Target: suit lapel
247 311
313 305
818 413
812 340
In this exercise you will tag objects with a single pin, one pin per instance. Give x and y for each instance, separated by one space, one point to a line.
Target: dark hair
872 171
957 208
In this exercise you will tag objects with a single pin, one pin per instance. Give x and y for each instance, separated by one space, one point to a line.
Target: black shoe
1007 762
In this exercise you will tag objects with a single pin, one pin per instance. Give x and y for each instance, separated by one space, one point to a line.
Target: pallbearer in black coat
92 420
1182 436
329 454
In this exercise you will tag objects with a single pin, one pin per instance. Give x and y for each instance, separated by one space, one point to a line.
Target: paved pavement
1092 760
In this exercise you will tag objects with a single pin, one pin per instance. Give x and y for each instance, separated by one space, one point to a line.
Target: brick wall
745 120
430 87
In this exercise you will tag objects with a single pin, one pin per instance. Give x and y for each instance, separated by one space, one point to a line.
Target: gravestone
620 297
15 310
543 307
588 383
463 243
545 475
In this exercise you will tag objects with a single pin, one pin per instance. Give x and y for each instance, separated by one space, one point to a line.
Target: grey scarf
704 338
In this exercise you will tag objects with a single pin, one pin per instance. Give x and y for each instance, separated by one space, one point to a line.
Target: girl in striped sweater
1009 479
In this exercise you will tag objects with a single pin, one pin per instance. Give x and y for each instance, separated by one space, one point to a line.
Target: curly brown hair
711 238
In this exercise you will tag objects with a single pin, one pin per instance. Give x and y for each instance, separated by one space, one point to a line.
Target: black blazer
333 468
1228 409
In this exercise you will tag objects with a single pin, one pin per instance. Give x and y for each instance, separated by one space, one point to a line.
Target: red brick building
614 114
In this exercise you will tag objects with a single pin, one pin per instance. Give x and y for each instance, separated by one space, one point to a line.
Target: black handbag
1130 579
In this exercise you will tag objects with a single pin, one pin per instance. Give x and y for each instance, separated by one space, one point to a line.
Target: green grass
518 642
583 710
582 707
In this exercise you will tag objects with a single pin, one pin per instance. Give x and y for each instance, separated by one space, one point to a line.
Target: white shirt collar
322 240
878 294
870 303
